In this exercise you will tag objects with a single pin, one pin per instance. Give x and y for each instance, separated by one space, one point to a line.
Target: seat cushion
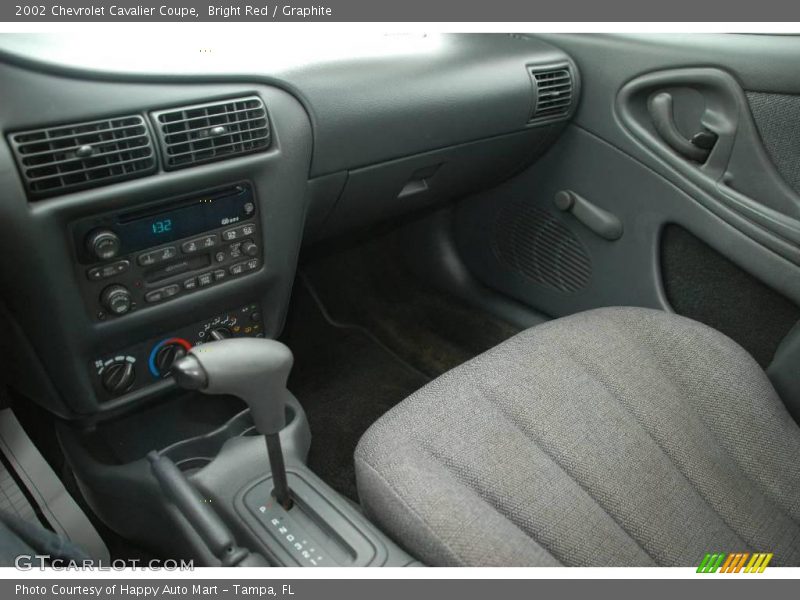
613 437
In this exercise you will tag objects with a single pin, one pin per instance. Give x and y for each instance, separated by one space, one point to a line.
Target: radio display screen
196 216
162 226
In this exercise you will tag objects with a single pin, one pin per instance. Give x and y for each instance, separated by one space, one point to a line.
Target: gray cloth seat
614 437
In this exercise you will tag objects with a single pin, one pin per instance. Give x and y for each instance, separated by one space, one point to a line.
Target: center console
142 226
129 261
145 221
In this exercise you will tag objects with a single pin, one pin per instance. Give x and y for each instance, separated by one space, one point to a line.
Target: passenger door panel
737 173
716 238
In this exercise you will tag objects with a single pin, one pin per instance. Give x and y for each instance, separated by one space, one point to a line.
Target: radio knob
250 248
118 377
220 333
116 299
167 356
103 244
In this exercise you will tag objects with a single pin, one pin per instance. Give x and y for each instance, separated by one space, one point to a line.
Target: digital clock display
162 226
186 218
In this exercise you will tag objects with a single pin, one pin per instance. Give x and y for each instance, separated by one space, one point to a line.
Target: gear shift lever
254 370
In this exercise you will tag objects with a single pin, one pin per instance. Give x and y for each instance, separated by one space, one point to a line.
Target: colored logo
735 562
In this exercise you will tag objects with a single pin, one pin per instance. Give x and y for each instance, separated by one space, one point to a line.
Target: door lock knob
705 139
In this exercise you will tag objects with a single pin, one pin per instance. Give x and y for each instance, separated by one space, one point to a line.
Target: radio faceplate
127 261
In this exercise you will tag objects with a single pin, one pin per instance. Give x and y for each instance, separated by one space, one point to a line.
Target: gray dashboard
369 100
361 131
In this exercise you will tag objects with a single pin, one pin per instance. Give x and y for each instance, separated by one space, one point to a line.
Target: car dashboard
153 200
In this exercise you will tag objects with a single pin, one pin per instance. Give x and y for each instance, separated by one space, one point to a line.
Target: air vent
207 132
553 93
62 159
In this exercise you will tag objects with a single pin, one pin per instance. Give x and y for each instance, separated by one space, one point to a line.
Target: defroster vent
57 160
554 93
214 131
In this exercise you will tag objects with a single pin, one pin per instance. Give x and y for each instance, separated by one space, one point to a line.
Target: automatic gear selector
254 370
309 525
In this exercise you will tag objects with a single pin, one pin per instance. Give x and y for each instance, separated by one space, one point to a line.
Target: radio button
239 232
190 247
154 296
242 267
219 274
190 284
147 259
116 299
167 253
120 267
205 279
163 293
198 244
106 271
220 257
103 244
250 248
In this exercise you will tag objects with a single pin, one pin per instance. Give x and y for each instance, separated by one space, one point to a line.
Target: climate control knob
164 354
220 333
103 244
116 299
118 377
166 357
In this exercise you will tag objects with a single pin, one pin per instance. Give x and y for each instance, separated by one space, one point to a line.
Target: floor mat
366 333
345 380
370 286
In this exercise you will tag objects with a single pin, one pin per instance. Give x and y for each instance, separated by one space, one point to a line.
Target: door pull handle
696 149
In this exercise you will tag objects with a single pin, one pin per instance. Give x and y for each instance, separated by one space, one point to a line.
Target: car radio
130 260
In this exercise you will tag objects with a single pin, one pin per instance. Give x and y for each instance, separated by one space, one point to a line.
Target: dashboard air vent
207 132
553 93
57 160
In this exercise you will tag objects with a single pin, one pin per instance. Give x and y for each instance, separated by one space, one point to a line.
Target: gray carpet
345 380
366 334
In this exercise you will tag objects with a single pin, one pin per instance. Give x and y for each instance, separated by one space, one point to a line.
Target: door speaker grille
535 244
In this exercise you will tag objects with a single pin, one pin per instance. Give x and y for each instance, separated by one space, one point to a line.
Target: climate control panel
144 364
127 261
